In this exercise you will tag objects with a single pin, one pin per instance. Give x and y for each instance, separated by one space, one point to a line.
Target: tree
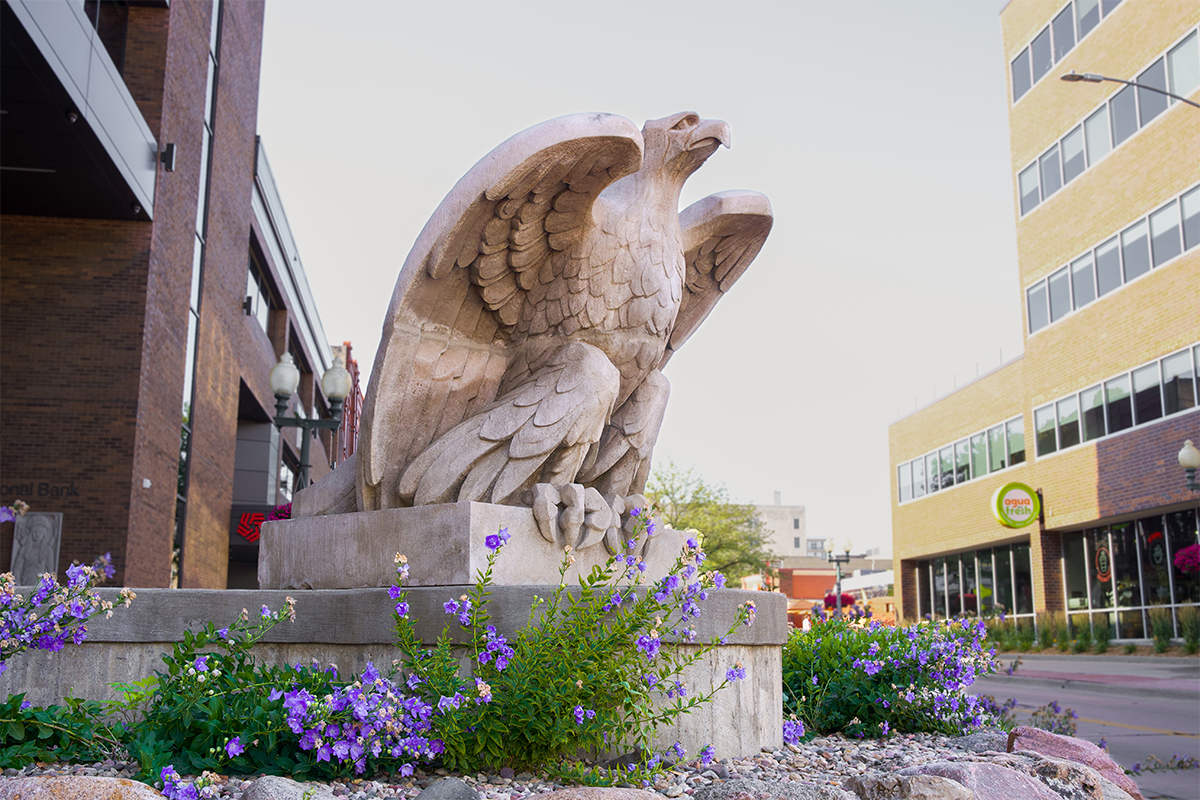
734 537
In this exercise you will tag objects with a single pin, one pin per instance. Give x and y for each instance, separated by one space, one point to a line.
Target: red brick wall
72 303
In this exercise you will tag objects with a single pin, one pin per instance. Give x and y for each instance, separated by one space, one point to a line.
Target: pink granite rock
987 781
1072 749
74 787
600 793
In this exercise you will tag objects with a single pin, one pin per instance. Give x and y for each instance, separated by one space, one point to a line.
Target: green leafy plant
871 680
1101 633
73 732
1081 641
1130 648
1189 627
593 671
1162 627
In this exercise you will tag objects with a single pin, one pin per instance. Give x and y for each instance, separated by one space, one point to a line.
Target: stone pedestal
445 546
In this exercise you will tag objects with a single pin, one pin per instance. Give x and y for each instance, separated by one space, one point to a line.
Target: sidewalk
1163 676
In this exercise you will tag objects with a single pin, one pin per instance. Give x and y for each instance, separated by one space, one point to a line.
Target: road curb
1088 686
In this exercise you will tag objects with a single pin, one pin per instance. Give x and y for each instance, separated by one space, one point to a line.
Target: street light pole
1091 77
285 378
837 561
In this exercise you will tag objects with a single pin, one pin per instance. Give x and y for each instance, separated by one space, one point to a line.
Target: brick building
148 283
1107 207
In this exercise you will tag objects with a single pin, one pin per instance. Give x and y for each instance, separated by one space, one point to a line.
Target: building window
1150 242
1016 441
1143 395
259 301
796 523
1127 110
1053 42
796 542
963 461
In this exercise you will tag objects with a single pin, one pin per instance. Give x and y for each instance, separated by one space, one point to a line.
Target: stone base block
444 545
353 626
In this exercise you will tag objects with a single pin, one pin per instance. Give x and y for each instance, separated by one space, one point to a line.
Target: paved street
1139 706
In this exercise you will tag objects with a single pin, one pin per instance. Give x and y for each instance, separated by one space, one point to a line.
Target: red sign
249 524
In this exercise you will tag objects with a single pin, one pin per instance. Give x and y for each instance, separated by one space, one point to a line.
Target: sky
878 130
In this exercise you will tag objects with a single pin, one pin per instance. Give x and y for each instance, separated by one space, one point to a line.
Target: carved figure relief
36 539
522 354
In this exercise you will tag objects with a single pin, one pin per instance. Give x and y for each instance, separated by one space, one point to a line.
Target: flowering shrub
53 615
281 511
1187 560
831 600
870 680
589 673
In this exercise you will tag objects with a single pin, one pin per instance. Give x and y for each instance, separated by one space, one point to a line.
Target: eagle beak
712 132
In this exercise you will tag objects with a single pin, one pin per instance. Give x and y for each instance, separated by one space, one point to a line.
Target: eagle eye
689 121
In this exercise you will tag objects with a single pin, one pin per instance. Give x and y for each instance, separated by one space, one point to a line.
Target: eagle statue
522 353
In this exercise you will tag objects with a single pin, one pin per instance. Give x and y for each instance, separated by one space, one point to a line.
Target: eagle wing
463 287
722 234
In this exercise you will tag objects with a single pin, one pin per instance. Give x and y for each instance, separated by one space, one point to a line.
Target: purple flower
578 715
234 747
450 607
707 755
692 543
7 514
395 592
680 752
402 609
223 633
493 542
266 612
635 512
793 731
201 663
814 680
649 645
735 673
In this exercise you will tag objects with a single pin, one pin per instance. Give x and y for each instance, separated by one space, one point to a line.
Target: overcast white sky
877 129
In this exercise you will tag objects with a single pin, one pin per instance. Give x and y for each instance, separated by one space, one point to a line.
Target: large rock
746 789
982 742
74 787
273 787
1077 750
600 793
988 781
448 789
908 787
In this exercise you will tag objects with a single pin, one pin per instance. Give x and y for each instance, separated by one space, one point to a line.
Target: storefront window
1075 571
1156 565
1004 586
970 595
953 587
1125 563
987 584
1022 579
1181 533
1100 568
939 588
1130 625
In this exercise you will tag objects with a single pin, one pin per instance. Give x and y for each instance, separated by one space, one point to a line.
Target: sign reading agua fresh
1015 505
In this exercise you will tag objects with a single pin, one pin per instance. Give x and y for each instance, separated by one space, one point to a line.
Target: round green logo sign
1015 505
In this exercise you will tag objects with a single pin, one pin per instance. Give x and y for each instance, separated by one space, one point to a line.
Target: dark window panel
1083 281
1123 111
1190 203
997 455
1151 103
1087 16
1100 570
1020 75
1092 401
1043 55
1178 383
1076 569
1135 250
1095 132
1108 266
1039 315
1068 422
1022 578
962 462
1164 234
1119 404
1051 172
1181 532
1183 66
1004 579
1030 193
1109 5
1072 155
1156 564
1044 424
1147 398
1060 294
1016 441
1064 33
939 587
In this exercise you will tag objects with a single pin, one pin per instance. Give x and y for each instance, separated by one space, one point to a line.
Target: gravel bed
822 761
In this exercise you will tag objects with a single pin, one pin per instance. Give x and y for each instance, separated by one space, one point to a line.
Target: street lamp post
285 378
1189 459
837 560
1091 77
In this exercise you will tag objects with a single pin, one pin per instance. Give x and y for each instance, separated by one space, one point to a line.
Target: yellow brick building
1106 196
